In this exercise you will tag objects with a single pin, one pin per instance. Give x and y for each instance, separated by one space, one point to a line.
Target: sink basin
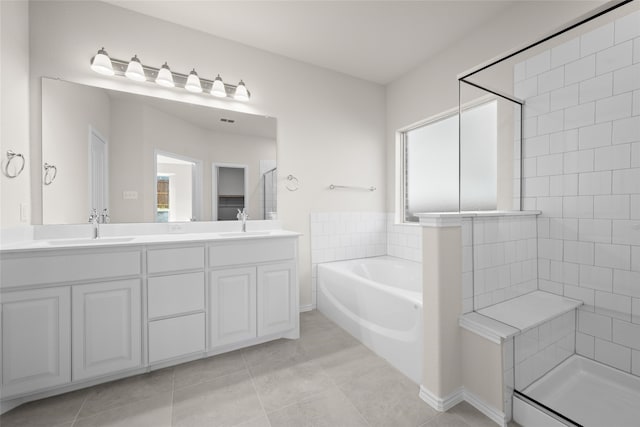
100 241
245 233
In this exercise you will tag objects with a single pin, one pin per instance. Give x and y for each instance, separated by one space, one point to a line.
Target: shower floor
589 393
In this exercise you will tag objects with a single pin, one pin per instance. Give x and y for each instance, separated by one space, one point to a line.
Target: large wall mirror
148 159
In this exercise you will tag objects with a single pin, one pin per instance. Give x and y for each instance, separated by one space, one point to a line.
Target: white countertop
110 241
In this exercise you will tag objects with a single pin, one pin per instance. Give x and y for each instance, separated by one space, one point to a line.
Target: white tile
613 355
556 272
551 80
635 155
613 256
566 228
551 287
594 325
627 27
635 207
530 127
577 207
614 108
636 50
561 98
579 252
536 105
585 345
598 278
635 362
635 310
597 40
611 207
616 306
613 157
626 283
550 165
636 102
626 334
543 227
626 130
535 187
635 258
593 183
626 181
571 274
551 122
563 185
544 269
536 146
626 232
578 116
527 88
550 249
596 88
565 53
594 136
561 142
550 206
578 161
594 230
614 58
582 294
538 64
626 79
519 72
529 167
582 69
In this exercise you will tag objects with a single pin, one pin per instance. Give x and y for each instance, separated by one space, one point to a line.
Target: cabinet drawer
176 294
178 336
250 252
175 259
64 268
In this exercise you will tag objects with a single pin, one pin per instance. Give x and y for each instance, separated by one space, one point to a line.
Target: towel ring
10 156
49 176
292 183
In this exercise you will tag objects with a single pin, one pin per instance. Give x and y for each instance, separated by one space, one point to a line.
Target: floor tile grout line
354 406
75 419
255 389
173 393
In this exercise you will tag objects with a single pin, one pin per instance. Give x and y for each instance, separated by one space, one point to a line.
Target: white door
98 172
106 328
36 340
277 298
232 306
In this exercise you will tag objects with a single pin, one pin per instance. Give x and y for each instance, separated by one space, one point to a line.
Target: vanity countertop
110 241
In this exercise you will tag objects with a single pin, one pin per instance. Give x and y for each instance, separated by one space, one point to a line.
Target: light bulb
241 94
134 70
165 78
101 63
193 82
217 89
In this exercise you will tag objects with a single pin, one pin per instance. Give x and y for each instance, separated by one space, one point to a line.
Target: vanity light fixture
163 76
134 70
101 63
193 82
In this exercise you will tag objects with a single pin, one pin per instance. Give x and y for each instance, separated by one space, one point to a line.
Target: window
431 163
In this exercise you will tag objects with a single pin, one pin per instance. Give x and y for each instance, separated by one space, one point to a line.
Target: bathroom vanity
79 312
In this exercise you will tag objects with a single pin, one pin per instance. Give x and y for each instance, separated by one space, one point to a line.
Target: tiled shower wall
337 236
582 170
499 259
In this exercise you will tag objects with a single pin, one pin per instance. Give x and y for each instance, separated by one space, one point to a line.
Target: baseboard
307 307
442 404
448 402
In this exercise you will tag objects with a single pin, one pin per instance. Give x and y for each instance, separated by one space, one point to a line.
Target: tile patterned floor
326 378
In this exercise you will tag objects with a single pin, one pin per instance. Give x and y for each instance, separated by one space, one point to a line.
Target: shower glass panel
269 189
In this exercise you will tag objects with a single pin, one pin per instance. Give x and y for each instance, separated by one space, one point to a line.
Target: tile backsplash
582 170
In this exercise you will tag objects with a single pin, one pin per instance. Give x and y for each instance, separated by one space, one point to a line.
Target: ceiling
377 41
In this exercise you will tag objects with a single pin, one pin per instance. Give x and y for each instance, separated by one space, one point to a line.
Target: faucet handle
105 218
93 215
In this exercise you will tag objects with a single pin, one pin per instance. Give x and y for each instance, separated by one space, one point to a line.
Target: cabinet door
232 306
106 328
277 298
36 340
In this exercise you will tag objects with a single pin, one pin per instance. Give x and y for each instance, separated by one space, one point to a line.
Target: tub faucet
94 219
243 216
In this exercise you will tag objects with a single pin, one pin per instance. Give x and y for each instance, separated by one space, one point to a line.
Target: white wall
432 88
14 109
330 126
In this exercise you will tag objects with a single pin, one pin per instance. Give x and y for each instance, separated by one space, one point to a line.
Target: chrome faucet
243 216
94 219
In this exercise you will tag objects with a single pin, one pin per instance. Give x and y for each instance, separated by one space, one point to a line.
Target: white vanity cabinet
253 292
36 340
106 328
175 302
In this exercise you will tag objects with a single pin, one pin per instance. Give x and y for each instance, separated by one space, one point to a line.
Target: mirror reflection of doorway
98 172
229 190
177 188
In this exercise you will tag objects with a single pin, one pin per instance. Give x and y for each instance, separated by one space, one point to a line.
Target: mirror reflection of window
175 178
